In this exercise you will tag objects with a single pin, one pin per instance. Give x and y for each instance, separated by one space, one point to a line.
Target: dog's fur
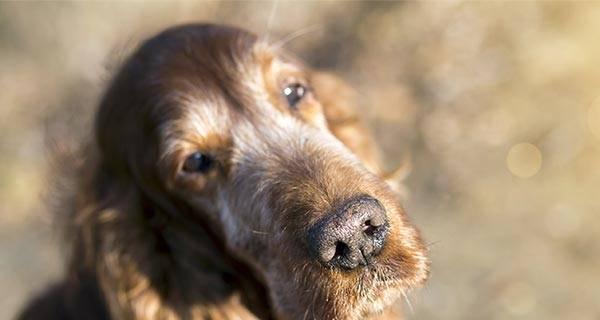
151 242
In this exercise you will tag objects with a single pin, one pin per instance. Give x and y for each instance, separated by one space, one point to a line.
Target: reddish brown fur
152 243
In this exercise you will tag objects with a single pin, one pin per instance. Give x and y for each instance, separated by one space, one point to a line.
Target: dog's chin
339 294
381 287
378 289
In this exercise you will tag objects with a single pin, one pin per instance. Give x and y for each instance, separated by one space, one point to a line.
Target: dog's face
237 130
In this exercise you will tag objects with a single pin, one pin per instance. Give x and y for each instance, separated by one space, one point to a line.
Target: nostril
369 229
341 250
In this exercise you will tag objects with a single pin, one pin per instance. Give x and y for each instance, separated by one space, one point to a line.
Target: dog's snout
351 235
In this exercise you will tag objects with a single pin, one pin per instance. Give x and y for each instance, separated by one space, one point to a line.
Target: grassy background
497 104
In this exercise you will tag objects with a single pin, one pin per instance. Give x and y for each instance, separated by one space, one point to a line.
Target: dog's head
246 139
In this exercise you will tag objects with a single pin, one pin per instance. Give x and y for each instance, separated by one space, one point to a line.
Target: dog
227 180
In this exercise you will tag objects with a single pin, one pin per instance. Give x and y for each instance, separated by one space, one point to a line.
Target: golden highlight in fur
206 174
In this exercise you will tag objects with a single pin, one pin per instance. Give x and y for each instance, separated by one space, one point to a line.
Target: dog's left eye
197 162
294 93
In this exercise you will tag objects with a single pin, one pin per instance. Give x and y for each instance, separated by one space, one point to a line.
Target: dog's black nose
351 235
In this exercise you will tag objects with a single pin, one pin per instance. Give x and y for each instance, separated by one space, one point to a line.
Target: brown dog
227 181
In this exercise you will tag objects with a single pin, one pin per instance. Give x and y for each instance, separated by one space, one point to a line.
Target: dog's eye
294 93
197 162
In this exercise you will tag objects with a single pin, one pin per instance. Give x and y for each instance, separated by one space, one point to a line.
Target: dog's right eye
197 163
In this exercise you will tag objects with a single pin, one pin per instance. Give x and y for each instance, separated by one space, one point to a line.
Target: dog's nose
350 236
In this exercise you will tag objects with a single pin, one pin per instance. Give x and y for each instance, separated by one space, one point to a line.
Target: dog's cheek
243 235
406 251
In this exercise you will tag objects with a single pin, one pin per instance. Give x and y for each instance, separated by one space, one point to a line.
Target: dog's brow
197 123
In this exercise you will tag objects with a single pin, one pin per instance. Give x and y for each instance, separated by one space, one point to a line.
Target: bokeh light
524 160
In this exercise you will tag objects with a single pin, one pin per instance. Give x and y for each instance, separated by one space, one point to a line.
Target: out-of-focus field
497 105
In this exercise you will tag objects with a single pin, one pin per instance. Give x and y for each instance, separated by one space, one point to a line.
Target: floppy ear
344 119
141 251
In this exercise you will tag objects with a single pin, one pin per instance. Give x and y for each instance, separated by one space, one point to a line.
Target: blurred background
497 105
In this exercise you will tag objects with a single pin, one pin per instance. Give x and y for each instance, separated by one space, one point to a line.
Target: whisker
431 244
410 307
294 35
271 19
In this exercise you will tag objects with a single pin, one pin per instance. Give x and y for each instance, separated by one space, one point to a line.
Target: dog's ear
345 119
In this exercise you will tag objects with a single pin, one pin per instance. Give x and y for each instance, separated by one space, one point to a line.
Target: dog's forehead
210 63
214 77
219 66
